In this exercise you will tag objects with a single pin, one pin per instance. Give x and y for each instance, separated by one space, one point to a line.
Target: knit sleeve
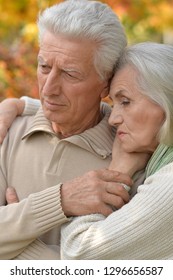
38 250
22 223
142 229
31 105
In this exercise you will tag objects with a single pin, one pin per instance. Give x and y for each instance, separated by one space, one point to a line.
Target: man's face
70 88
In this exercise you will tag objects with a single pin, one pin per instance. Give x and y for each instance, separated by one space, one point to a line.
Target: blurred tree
150 20
145 19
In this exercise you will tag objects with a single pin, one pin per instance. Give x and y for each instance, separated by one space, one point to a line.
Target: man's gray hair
154 62
90 20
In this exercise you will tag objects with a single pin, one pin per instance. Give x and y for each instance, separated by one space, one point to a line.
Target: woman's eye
125 102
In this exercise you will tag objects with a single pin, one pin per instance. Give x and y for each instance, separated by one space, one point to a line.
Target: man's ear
106 89
105 92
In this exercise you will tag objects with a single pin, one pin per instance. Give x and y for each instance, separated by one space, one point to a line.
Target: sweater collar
98 139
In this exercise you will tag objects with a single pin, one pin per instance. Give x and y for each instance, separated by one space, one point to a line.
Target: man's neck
64 131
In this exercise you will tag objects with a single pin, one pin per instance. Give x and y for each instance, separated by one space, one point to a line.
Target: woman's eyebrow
119 93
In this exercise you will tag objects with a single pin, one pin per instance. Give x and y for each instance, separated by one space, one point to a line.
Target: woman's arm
139 230
13 107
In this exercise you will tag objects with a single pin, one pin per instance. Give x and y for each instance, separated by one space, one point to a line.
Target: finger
105 210
2 134
118 190
114 201
11 196
114 176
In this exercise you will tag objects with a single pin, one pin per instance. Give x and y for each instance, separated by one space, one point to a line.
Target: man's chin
53 117
50 115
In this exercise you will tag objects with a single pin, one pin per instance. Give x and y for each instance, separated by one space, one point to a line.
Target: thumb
3 133
11 196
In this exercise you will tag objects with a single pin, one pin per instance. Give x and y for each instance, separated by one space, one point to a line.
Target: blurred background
144 20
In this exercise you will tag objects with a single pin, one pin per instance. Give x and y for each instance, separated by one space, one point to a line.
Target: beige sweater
35 161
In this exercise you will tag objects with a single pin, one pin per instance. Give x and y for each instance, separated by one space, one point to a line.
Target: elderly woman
142 96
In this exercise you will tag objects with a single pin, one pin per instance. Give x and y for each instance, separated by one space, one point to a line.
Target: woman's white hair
92 20
154 63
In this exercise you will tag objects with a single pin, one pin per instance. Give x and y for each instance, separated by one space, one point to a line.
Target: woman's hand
9 110
127 163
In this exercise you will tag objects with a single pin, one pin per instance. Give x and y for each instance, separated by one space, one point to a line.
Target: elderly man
80 42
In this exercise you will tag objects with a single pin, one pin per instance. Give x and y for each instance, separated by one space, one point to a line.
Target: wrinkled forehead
126 74
73 49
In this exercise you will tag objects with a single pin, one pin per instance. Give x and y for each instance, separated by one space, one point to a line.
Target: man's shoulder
20 126
15 133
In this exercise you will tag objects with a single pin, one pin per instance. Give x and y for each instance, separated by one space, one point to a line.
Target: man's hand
9 110
95 192
11 196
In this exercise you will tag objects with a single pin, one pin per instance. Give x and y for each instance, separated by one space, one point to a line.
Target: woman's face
137 118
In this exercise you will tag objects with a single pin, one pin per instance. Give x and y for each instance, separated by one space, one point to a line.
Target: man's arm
11 108
22 223
90 193
139 230
37 250
94 192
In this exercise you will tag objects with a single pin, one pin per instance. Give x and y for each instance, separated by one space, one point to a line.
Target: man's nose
115 118
52 84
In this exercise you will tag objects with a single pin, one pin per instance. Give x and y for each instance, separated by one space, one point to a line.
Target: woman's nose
115 118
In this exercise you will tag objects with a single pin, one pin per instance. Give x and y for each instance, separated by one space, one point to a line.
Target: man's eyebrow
41 59
71 70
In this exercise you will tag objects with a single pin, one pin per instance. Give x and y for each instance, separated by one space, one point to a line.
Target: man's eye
69 75
44 68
